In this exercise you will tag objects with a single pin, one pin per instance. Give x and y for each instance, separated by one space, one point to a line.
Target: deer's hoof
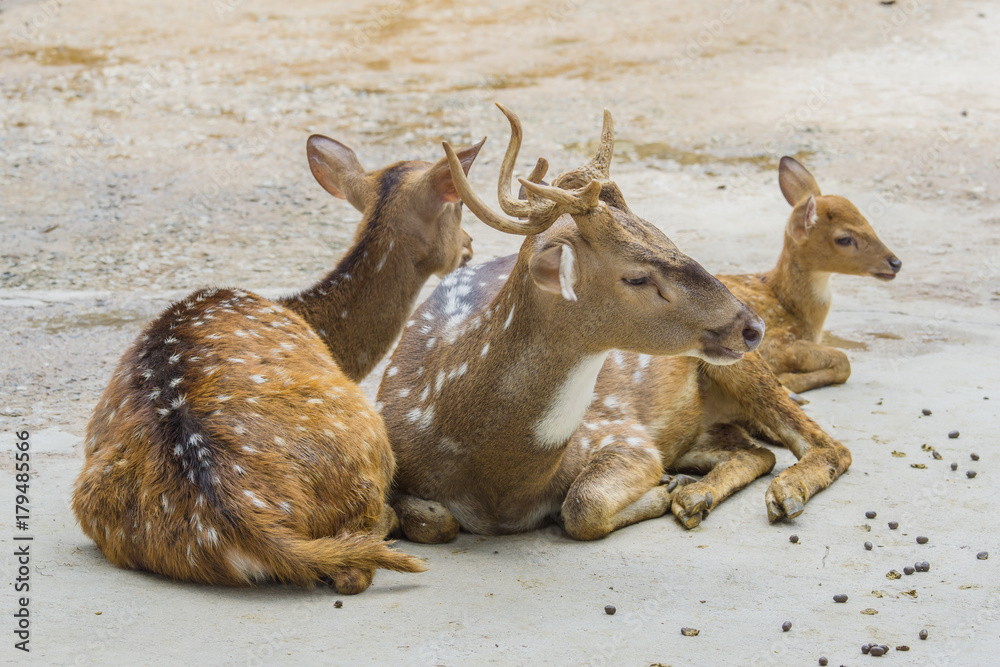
783 502
674 482
691 506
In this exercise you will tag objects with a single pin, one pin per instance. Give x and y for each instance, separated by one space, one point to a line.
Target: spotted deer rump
226 429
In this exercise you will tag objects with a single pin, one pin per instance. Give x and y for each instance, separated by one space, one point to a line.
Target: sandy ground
152 148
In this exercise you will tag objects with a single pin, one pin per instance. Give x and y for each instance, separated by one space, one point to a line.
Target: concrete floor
870 96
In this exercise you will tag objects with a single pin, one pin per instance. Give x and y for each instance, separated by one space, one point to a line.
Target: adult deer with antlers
494 373
230 447
825 234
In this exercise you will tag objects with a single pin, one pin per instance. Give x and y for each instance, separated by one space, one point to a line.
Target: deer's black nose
895 264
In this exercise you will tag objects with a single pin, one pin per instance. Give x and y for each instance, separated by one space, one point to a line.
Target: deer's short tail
287 557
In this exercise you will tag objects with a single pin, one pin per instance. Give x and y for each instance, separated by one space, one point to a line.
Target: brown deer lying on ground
825 234
230 447
496 369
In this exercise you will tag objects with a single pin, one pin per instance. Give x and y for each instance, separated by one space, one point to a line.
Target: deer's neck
547 374
360 307
804 292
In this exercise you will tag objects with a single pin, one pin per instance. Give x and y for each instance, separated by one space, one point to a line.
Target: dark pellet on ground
970 474
786 626
953 435
876 651
936 455
609 609
868 546
974 456
926 412
893 525
866 647
982 555
823 661
840 597
908 570
337 604
904 647
922 634
925 567
871 515
921 539
793 538
954 466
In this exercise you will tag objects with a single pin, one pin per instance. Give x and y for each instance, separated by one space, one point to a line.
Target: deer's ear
802 222
795 180
338 170
554 270
438 177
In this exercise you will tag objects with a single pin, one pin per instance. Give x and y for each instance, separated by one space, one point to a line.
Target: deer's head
414 202
827 232
615 279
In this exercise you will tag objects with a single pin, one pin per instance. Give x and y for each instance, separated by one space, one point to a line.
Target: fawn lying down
825 234
230 447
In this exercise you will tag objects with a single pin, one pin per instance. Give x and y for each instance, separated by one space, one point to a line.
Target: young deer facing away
825 234
230 447
496 369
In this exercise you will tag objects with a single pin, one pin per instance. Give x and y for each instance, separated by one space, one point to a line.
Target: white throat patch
565 412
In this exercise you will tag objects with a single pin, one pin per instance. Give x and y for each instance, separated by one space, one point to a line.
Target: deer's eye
844 241
636 281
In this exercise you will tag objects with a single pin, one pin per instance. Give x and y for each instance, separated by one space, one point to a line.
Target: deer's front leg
618 486
819 465
729 460
803 365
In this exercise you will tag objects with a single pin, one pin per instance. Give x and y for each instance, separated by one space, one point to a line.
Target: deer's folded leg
729 459
425 521
802 365
619 486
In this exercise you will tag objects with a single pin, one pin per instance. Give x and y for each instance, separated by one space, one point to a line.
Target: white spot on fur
253 498
486 348
510 318
247 567
259 379
391 371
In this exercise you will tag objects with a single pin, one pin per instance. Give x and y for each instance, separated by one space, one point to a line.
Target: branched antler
544 204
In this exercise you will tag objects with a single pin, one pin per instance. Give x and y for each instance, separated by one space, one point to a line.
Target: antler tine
562 201
538 173
601 162
508 203
599 166
535 225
